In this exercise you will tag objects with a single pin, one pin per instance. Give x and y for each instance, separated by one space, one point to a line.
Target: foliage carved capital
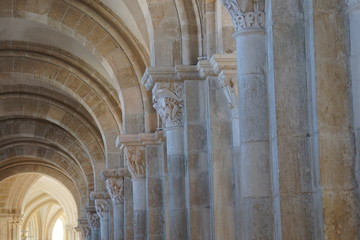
115 188
246 14
168 102
102 207
93 220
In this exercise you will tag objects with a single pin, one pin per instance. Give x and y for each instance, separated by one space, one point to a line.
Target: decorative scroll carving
102 207
93 220
168 102
115 187
135 157
16 220
245 17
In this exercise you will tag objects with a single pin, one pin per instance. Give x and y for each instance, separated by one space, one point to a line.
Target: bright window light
58 230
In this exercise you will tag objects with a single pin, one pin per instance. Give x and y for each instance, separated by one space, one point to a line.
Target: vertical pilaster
293 117
354 19
335 116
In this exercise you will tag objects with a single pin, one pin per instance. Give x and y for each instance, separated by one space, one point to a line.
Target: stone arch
96 29
103 108
44 137
51 171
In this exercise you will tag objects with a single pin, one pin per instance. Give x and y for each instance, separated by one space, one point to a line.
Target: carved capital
135 157
115 188
87 231
114 173
84 230
102 208
16 220
93 220
246 15
168 102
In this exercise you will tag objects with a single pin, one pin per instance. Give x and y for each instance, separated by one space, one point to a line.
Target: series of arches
70 84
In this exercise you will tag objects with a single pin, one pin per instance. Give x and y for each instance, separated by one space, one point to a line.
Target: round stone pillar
114 179
256 218
135 157
102 209
15 224
169 104
94 224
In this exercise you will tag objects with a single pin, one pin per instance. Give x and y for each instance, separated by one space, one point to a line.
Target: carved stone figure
168 102
115 187
135 157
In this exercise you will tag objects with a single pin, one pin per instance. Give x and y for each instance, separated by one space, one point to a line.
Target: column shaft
139 217
256 207
176 183
118 221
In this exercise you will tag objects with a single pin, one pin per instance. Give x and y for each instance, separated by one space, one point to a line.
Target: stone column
254 164
138 148
15 227
114 179
102 209
70 232
168 102
94 223
135 158
84 230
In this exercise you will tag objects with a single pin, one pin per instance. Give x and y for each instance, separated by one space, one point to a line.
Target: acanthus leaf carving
135 157
168 102
245 17
93 220
115 187
85 230
102 207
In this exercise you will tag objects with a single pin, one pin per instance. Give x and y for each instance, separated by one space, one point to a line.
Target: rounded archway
31 205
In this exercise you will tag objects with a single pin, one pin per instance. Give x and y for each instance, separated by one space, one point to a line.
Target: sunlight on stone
58 231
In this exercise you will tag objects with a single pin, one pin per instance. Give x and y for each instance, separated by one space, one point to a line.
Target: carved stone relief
135 157
115 188
93 220
246 16
102 207
168 102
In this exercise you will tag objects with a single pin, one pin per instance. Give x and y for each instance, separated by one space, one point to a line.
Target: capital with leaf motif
93 220
102 208
84 229
246 14
135 157
168 102
114 180
101 203
115 187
